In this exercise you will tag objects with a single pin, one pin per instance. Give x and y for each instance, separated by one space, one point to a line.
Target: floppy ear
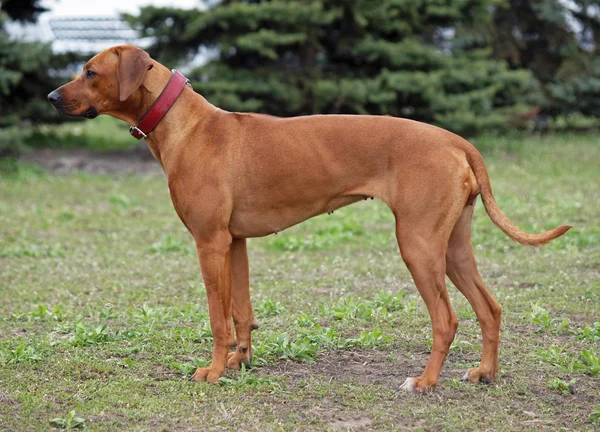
133 65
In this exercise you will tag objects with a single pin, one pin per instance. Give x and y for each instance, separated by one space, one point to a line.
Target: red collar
160 106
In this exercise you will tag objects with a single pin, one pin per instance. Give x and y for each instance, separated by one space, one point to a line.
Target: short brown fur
232 176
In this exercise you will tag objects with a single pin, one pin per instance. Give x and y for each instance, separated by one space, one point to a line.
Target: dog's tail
491 207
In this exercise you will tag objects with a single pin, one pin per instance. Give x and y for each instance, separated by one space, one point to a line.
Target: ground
103 314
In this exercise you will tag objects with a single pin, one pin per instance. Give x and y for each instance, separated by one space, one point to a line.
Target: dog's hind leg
462 271
243 317
426 211
424 257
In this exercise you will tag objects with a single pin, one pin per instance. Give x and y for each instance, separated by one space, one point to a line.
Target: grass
104 133
104 315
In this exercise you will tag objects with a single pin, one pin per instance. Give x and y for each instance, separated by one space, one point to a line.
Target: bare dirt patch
138 160
361 367
5 399
357 424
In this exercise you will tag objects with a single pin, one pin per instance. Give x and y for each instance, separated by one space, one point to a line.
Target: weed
108 312
247 379
89 335
42 313
590 361
305 320
587 362
541 316
71 421
562 387
590 332
203 333
379 309
146 313
268 308
284 347
192 313
188 368
563 327
374 338
322 337
392 302
558 357
460 345
20 354
347 308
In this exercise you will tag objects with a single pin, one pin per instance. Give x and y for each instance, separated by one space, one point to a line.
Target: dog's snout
54 97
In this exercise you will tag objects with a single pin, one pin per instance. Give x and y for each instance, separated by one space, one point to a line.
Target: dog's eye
90 73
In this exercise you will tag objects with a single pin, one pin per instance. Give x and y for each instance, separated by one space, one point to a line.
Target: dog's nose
54 97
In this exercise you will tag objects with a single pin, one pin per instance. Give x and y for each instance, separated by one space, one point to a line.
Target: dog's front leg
215 261
243 317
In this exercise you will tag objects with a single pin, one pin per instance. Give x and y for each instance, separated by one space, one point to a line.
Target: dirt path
134 161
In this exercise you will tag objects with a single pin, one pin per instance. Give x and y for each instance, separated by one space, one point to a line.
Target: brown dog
232 176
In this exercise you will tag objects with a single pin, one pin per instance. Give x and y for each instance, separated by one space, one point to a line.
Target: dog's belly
262 220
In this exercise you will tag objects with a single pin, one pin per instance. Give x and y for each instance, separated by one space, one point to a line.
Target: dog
233 176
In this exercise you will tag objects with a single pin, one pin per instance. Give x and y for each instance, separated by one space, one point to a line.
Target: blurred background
472 66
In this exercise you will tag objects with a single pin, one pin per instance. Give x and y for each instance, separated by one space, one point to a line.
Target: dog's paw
242 355
417 385
476 375
208 374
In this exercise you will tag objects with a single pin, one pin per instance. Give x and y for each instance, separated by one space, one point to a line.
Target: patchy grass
104 316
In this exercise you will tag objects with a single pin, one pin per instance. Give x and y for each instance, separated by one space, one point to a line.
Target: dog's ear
133 65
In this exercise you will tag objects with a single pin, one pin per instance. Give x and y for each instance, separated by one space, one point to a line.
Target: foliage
25 79
71 421
558 41
587 361
21 353
590 332
22 10
562 387
247 379
408 59
85 335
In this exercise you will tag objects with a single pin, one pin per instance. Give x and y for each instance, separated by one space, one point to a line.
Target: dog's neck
169 133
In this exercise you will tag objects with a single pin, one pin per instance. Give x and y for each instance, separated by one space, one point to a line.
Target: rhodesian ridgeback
232 176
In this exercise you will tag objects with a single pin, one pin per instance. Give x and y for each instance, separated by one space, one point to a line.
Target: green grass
103 313
104 133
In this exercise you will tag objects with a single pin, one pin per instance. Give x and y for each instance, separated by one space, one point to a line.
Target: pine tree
412 59
558 41
24 80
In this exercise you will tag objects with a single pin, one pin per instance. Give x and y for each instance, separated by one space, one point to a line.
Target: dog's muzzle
55 98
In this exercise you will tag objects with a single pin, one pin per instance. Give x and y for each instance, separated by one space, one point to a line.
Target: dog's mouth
90 113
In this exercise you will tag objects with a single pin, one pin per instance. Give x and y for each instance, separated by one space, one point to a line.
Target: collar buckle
137 132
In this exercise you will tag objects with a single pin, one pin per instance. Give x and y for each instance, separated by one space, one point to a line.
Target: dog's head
108 80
